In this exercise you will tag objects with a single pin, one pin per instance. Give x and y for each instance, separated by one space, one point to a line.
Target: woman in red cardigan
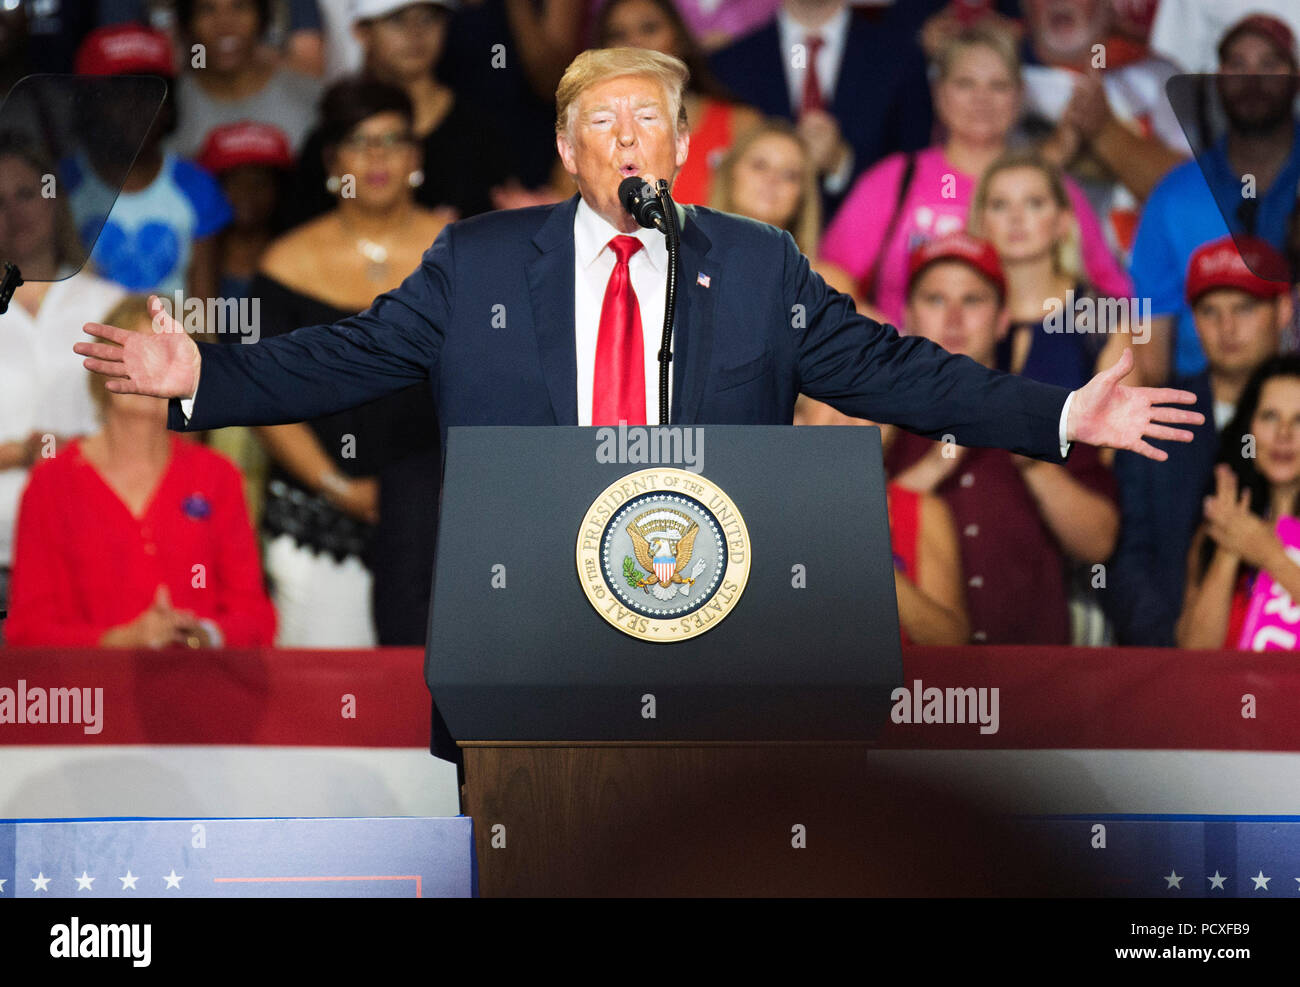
136 537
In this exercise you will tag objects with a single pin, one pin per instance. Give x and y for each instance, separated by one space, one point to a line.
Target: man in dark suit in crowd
1240 318
853 81
535 317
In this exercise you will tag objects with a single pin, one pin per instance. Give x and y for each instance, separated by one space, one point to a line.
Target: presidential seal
663 554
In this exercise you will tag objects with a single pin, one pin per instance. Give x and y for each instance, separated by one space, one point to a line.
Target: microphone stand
9 281
673 235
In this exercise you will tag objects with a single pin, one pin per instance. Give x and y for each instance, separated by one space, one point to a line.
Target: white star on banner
1261 882
41 882
5 880
172 880
85 881
128 882
1173 880
1217 880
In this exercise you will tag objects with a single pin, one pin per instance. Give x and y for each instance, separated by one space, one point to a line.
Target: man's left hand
1105 412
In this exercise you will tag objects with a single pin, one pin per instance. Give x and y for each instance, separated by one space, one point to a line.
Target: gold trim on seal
726 526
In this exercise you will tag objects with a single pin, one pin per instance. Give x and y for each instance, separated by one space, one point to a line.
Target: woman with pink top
905 200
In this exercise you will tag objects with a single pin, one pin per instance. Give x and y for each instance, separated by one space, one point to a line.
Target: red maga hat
1247 263
125 49
963 247
1271 28
246 142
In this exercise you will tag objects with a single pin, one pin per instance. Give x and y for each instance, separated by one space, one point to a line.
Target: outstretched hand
1105 412
161 361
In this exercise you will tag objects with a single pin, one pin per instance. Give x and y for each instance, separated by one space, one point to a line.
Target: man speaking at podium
550 315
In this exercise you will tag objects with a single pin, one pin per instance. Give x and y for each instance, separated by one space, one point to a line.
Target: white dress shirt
593 263
835 34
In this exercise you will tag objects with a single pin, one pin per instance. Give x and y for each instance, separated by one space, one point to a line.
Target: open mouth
628 170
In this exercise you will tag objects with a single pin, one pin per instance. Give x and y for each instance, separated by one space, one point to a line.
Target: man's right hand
163 363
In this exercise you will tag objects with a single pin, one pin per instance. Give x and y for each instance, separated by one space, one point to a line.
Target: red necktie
812 89
618 394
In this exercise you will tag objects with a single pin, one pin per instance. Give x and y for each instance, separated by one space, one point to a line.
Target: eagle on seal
663 565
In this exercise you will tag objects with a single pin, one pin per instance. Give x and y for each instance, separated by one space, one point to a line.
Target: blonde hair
1067 257
131 314
976 36
805 225
598 65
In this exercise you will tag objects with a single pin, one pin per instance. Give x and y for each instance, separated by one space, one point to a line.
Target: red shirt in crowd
1240 607
1014 570
710 141
904 534
83 563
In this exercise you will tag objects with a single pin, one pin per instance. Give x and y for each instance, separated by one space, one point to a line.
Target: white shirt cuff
839 181
1065 411
214 632
187 408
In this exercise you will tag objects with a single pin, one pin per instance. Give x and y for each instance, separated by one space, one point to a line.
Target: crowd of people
1018 181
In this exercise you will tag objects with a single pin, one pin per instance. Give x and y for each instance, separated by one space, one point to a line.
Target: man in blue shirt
1239 320
1210 197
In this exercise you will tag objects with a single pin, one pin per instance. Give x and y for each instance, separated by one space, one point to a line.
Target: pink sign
1273 619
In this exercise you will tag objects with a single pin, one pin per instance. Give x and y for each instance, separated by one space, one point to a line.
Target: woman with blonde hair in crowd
768 175
136 537
908 199
1058 333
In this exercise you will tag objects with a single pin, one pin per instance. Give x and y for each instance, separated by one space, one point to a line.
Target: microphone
641 200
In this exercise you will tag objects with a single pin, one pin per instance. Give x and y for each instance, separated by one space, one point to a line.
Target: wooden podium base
692 819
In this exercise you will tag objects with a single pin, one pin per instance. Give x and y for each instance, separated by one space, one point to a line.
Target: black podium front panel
810 650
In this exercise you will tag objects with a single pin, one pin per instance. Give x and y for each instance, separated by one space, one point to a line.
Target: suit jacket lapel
693 325
551 289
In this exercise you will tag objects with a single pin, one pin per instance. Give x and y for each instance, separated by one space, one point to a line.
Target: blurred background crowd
1017 180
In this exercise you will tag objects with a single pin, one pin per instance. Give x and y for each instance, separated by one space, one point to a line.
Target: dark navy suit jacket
488 320
1160 504
881 99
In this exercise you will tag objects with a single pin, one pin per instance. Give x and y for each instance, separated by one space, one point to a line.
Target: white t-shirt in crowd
43 385
288 101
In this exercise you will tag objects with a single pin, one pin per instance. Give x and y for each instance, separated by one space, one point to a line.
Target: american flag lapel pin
702 279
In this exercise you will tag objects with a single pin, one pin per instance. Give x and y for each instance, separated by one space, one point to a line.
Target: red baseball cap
125 49
1249 264
246 142
1270 28
963 247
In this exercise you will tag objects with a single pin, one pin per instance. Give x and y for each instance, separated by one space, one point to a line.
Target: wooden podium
732 820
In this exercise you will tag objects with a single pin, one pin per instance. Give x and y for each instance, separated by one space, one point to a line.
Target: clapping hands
158 626
1238 531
